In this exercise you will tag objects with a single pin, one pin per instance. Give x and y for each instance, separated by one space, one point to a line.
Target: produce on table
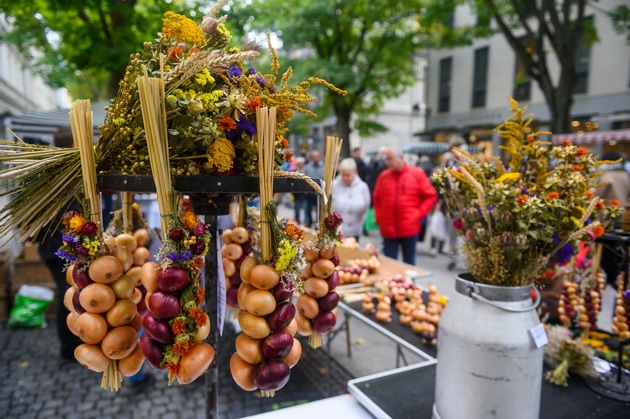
266 349
352 274
580 303
621 321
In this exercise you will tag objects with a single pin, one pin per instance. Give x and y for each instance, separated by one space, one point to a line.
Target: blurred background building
467 87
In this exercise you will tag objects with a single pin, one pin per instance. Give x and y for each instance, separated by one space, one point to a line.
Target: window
522 82
444 100
582 60
480 77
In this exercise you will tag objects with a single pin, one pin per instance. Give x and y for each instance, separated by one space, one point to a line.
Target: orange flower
566 143
183 349
614 202
548 274
174 53
601 206
198 316
227 124
284 143
172 368
598 231
200 295
288 155
531 140
521 200
252 104
178 327
582 151
552 195
294 231
190 220
577 168
589 194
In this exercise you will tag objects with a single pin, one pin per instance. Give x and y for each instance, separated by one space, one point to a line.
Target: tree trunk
343 113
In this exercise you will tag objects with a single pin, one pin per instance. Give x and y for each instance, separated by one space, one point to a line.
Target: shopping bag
370 221
31 302
437 226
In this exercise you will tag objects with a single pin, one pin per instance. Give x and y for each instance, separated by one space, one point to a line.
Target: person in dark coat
361 166
50 242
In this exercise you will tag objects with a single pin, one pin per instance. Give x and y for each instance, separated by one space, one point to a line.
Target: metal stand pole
212 376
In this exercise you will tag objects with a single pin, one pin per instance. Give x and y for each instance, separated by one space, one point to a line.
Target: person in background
614 184
375 168
402 197
615 181
315 170
361 166
350 198
50 242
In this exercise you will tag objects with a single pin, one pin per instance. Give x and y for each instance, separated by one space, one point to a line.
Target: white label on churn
539 335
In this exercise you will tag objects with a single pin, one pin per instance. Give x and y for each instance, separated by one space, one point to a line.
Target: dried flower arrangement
519 219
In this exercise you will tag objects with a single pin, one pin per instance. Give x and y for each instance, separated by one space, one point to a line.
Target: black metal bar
212 376
348 342
210 185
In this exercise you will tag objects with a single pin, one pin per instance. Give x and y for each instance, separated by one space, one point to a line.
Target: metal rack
210 196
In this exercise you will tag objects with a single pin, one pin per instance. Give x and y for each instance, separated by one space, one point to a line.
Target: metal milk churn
488 364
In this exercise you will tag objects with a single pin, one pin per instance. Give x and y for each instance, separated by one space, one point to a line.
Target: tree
85 39
364 47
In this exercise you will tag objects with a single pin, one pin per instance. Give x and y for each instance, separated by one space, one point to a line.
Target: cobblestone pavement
36 383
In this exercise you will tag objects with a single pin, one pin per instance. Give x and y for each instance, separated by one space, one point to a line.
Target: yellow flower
221 155
287 253
92 246
182 29
203 77
511 176
76 223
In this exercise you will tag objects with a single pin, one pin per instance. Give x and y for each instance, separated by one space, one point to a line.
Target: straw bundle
266 129
331 160
81 124
153 107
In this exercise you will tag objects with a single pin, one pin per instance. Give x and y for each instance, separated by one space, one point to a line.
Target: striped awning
596 137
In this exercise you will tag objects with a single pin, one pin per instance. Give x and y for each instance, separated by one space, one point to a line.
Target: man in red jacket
402 197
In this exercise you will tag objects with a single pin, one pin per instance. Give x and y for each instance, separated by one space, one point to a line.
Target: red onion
324 322
240 260
282 316
333 280
81 277
235 279
157 329
142 308
164 305
232 297
172 280
272 375
281 294
328 302
335 259
152 351
142 289
76 303
247 249
277 345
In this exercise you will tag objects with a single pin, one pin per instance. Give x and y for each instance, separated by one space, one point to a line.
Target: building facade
21 90
467 88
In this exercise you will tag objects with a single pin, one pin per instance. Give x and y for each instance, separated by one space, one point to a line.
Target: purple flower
251 70
176 234
179 258
200 229
260 81
81 250
65 255
89 228
234 72
523 188
70 238
247 126
231 135
564 254
626 294
198 248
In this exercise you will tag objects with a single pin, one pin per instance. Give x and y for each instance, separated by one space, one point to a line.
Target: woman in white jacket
350 198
